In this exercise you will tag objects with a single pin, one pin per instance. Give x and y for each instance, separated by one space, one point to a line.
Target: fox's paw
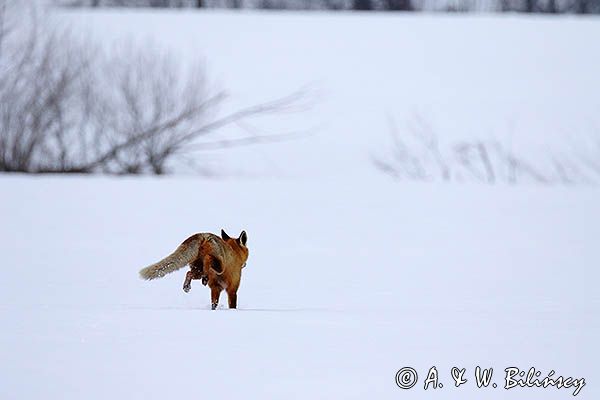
186 288
204 280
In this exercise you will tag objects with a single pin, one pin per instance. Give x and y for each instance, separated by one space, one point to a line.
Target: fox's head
238 245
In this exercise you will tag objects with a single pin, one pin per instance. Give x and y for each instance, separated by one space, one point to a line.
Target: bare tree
39 89
66 107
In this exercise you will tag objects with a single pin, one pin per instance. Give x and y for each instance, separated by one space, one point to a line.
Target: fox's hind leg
187 284
196 272
199 271
215 292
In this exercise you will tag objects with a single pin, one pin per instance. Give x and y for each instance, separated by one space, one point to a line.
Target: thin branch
248 141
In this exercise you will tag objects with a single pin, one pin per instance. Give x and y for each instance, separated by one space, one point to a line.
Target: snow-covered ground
351 276
346 283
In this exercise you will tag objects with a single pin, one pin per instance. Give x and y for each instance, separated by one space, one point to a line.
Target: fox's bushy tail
183 255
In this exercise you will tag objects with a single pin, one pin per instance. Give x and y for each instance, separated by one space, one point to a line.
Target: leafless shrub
475 158
588 151
417 155
403 163
424 134
517 168
67 107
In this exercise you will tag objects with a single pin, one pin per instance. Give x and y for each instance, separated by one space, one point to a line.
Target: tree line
526 6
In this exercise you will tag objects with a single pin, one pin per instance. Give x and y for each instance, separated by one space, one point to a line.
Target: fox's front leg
232 295
187 284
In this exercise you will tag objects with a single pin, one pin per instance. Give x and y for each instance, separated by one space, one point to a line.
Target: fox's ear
224 236
243 238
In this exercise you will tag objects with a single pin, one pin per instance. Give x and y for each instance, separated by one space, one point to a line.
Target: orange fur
217 261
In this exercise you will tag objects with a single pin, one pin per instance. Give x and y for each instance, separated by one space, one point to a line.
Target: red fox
217 261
